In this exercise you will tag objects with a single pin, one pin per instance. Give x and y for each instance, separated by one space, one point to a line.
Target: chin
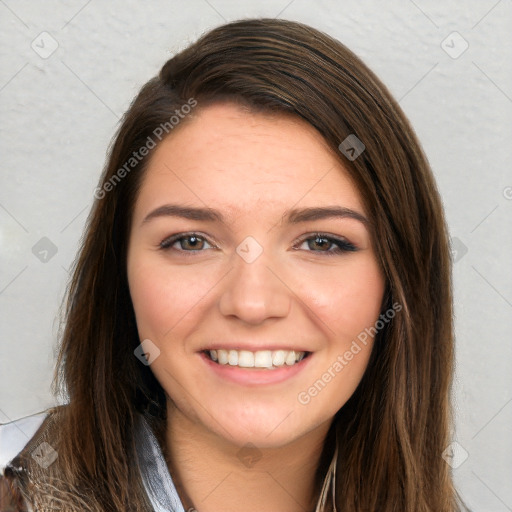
261 425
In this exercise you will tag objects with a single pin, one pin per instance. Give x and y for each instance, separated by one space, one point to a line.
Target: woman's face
236 254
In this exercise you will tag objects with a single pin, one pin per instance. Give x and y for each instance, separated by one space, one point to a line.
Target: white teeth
222 355
263 359
279 357
233 358
245 359
259 359
290 358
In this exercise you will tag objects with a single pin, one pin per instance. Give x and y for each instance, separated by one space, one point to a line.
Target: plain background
70 69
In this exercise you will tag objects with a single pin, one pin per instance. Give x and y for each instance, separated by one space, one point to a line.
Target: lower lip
255 376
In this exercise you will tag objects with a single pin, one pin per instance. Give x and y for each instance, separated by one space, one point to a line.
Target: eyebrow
323 212
186 212
294 216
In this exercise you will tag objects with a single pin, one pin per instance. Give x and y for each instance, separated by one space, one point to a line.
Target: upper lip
251 347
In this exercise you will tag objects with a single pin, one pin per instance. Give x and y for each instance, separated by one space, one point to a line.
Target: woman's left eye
187 243
326 244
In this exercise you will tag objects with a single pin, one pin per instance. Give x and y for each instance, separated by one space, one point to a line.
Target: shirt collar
154 471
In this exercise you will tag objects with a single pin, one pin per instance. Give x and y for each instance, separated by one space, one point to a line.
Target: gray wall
59 111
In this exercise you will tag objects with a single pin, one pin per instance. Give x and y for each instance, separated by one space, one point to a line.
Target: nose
254 292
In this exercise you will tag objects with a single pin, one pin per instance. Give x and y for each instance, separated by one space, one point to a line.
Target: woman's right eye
186 243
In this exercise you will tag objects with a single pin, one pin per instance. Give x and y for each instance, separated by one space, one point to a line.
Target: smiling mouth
269 359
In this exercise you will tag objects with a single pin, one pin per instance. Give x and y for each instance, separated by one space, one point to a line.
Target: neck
211 473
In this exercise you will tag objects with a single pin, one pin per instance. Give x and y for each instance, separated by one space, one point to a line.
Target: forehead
228 157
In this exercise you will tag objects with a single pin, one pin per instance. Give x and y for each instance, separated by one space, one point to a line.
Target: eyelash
342 246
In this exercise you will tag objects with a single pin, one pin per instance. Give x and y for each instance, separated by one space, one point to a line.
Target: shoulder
15 435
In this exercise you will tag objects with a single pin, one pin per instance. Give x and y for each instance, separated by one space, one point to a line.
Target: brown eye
327 244
191 243
186 243
319 243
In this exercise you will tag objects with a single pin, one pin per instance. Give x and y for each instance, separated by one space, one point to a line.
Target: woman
260 315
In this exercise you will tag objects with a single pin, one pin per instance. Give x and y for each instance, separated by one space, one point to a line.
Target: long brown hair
393 430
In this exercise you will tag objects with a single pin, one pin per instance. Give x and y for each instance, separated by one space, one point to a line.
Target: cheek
165 299
348 300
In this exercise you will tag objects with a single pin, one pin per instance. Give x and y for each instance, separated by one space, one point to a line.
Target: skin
251 167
